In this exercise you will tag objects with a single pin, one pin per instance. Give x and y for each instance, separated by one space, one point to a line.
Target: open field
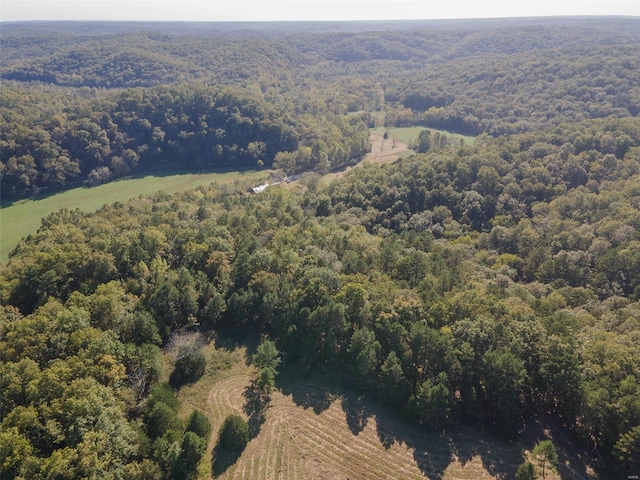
408 135
313 433
314 428
394 147
23 218
382 151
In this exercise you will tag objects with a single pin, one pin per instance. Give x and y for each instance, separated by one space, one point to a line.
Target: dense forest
466 284
95 140
90 107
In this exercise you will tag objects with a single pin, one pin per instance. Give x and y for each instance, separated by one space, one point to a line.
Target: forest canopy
91 105
106 136
479 285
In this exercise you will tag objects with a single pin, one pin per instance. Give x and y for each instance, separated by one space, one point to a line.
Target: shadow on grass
499 458
356 414
573 460
177 380
232 338
223 459
255 407
295 382
433 452
318 390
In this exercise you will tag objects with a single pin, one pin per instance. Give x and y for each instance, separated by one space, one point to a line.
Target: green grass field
408 135
23 218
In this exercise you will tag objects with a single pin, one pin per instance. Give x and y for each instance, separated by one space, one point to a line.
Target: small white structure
262 188
259 188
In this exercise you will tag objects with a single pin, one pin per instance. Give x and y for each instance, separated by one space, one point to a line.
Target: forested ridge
481 285
66 82
49 144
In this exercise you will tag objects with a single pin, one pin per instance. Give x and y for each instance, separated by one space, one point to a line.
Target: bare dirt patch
385 150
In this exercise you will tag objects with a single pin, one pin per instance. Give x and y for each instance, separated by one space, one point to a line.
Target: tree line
53 143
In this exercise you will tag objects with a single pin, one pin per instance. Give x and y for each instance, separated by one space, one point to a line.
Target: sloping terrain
312 431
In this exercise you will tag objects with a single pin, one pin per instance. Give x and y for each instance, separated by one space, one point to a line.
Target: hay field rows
311 433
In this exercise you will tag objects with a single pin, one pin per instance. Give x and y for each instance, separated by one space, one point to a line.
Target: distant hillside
488 76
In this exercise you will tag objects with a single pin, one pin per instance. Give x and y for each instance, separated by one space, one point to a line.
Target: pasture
317 427
23 217
408 135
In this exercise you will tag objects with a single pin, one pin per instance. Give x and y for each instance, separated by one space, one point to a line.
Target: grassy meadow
320 428
408 135
23 217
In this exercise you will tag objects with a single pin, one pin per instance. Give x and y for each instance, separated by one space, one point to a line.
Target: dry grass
382 151
311 433
319 431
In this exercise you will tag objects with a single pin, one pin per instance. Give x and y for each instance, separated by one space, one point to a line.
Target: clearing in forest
382 151
408 135
314 430
24 216
312 433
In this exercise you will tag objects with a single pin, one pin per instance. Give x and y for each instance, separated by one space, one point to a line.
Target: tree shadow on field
177 380
222 460
499 457
573 460
296 383
232 338
435 451
255 407
356 414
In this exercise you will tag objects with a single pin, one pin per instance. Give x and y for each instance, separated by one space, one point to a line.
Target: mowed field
313 433
408 135
23 218
314 429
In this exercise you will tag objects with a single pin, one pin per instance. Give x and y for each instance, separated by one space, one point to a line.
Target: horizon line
363 20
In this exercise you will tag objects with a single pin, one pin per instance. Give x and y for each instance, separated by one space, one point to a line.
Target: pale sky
271 10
